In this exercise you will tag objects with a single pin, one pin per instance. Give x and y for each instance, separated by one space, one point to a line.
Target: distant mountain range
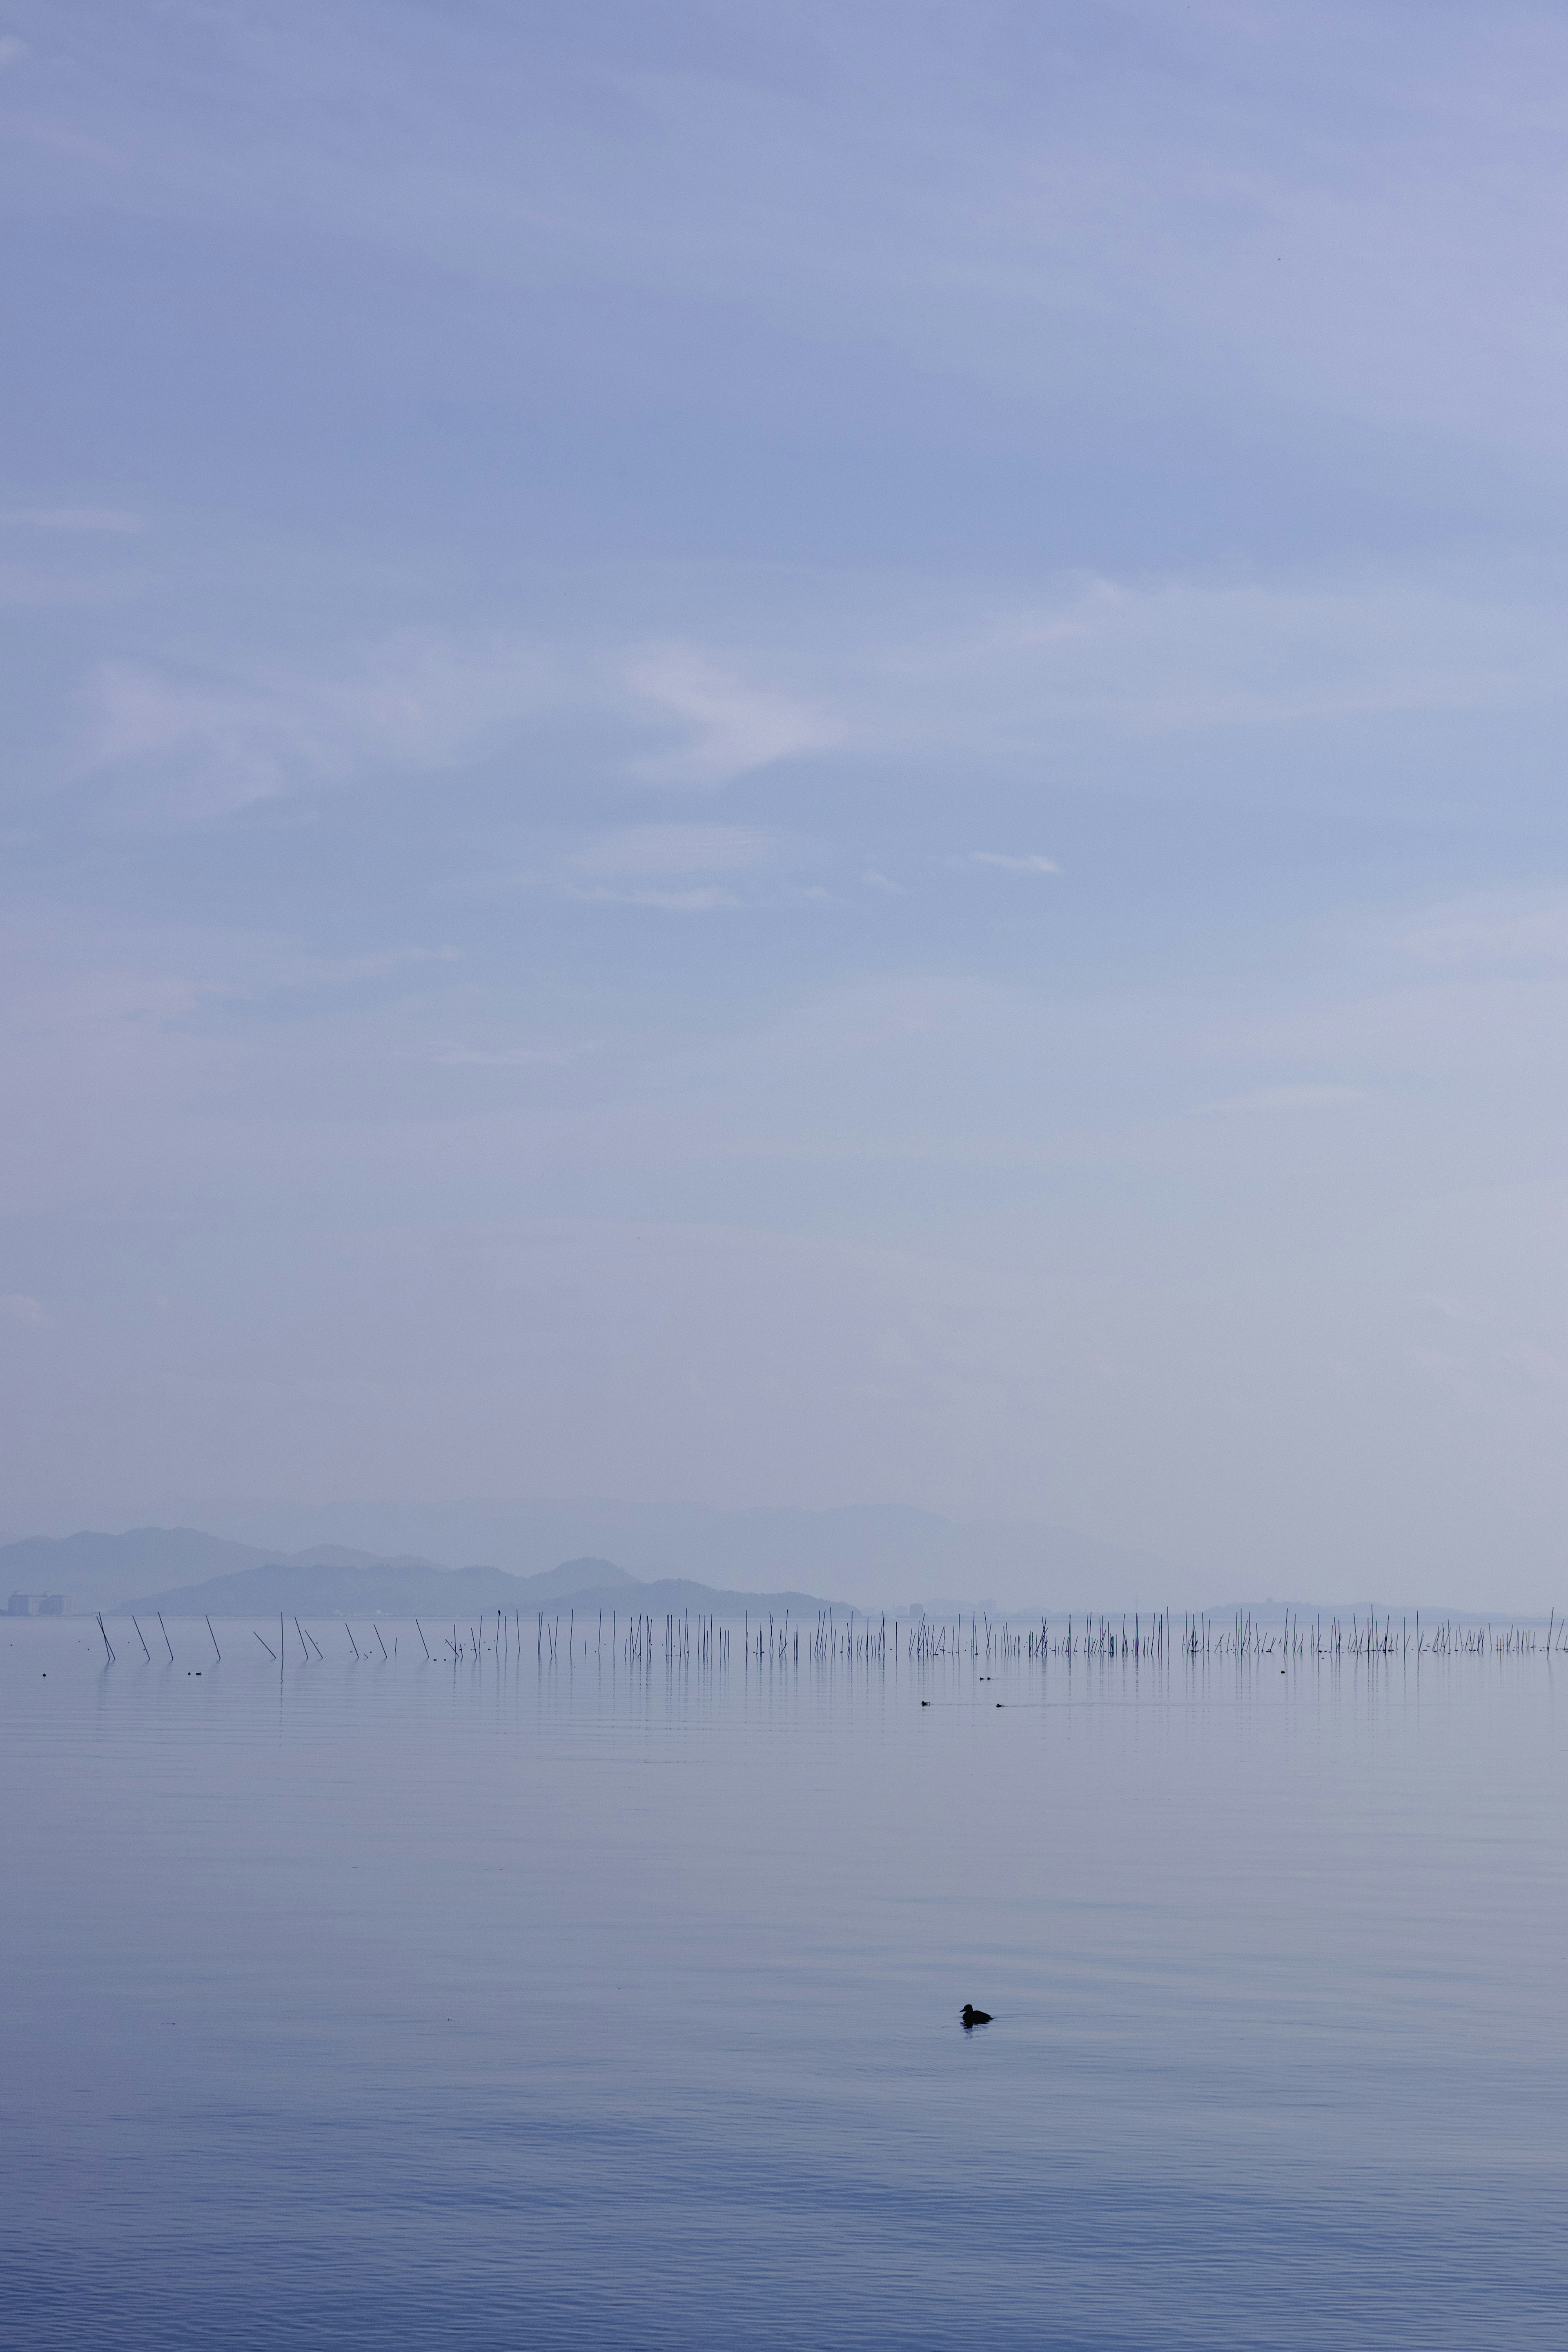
100 1571
401 1557
219 1578
184 1572
886 1554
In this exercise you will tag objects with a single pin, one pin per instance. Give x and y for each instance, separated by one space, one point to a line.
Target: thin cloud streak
1014 862
732 728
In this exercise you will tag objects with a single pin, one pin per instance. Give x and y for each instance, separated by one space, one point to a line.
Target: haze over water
783 805
492 2003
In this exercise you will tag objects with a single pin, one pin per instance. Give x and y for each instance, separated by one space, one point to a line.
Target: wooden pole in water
215 1641
142 1637
265 1645
107 1643
164 1631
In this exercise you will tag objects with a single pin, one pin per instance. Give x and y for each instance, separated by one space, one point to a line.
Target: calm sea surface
504 2004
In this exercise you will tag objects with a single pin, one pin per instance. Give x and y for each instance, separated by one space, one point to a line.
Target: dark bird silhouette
973 2016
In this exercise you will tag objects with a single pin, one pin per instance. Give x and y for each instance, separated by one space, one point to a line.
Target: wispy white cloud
730 727
1086 670
204 746
201 745
662 865
1014 862
1113 662
17 1306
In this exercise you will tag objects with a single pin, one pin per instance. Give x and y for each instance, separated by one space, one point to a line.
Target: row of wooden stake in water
830 1640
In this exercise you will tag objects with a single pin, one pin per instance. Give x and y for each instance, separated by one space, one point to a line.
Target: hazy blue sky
793 754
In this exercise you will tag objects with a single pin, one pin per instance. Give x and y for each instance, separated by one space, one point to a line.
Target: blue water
503 2005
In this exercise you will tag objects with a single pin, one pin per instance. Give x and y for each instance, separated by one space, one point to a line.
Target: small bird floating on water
973 2016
